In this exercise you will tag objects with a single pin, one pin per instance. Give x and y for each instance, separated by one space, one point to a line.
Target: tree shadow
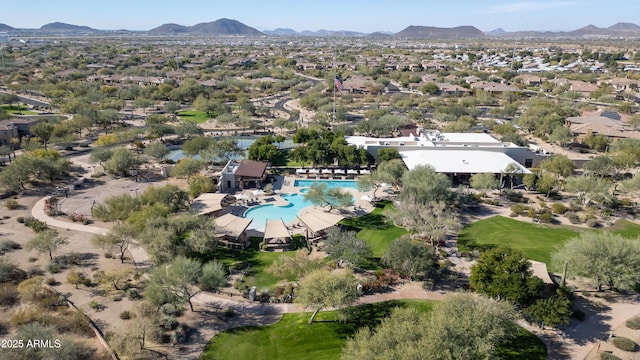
593 327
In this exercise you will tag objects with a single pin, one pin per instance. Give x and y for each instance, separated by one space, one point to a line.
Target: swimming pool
331 184
262 213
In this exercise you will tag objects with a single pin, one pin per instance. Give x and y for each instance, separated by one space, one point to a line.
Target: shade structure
314 171
365 171
352 172
276 230
338 171
539 269
301 171
231 225
207 203
326 171
316 219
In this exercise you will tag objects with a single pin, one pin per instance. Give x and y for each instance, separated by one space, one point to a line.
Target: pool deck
286 186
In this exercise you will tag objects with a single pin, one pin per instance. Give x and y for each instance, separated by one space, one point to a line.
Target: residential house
607 123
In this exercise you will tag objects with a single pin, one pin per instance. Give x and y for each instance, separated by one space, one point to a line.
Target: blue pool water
262 213
331 184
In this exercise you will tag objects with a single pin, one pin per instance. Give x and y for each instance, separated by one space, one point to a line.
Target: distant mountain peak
431 32
59 26
221 26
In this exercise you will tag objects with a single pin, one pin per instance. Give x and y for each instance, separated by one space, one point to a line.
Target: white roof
276 229
317 219
470 138
207 203
231 225
460 161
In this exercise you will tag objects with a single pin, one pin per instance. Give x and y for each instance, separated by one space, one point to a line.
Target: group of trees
325 147
461 326
36 165
504 273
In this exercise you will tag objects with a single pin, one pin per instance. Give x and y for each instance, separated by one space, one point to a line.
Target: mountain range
229 27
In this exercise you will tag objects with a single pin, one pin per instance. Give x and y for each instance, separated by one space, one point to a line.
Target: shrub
9 271
132 294
32 259
86 282
8 294
11 204
108 255
531 213
168 323
125 315
546 218
51 281
35 224
20 219
7 245
624 343
558 208
633 323
518 208
169 310
593 223
573 217
93 304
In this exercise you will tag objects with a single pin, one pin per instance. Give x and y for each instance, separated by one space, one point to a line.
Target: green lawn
17 110
191 115
293 338
537 242
259 261
375 228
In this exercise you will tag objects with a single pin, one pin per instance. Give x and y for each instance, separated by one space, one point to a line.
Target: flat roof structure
207 203
460 161
231 225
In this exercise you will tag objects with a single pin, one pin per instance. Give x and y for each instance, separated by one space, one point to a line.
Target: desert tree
46 241
322 288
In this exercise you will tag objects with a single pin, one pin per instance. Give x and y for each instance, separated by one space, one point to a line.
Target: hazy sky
356 15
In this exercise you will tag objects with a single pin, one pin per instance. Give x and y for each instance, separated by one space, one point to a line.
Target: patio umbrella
338 171
313 171
365 172
301 171
326 171
352 172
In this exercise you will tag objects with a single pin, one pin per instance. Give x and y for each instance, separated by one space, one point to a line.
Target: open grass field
537 242
198 117
375 228
293 338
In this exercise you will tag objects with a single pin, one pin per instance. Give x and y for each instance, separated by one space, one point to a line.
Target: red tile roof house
245 174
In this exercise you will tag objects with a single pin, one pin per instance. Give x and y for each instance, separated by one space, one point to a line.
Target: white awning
231 225
316 219
207 203
301 171
276 229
